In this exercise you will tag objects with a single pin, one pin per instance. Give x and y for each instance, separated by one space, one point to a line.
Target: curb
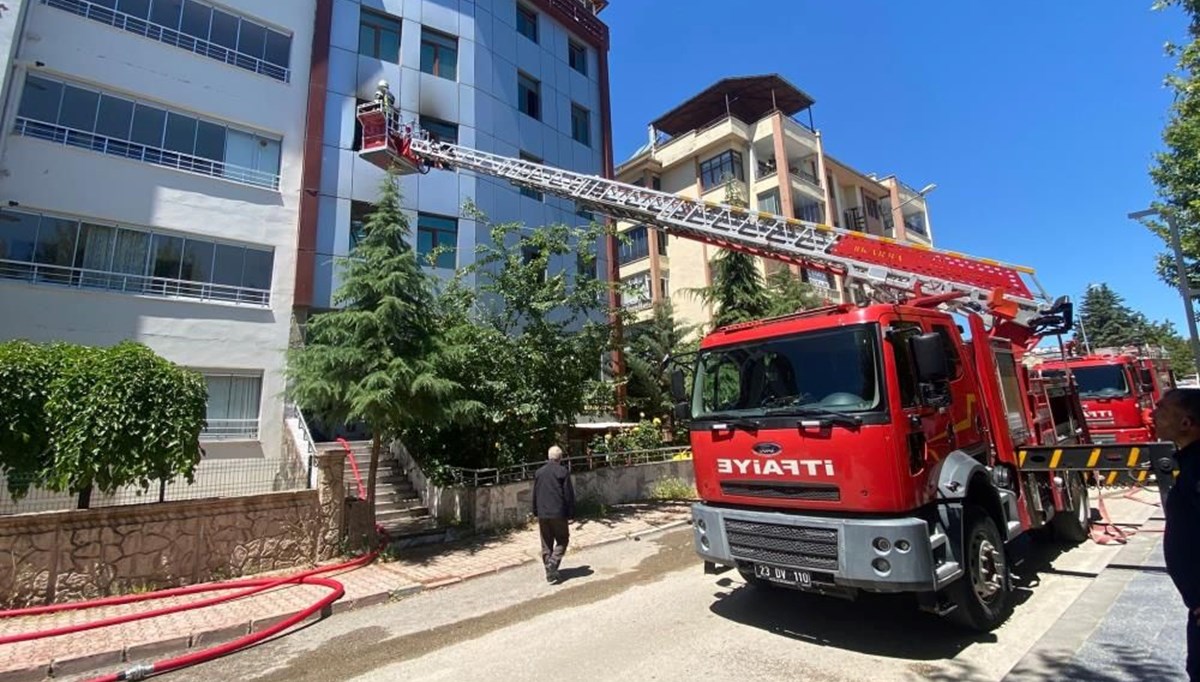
205 638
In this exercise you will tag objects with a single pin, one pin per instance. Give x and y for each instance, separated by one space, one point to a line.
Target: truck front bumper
878 555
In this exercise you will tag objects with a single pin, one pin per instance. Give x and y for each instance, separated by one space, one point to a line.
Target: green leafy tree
122 416
526 338
787 294
1176 169
375 359
649 387
77 418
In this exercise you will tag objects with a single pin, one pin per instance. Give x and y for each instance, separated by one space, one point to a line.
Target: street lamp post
1185 289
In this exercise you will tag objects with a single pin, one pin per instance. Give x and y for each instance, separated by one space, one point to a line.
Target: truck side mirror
678 390
929 355
1147 379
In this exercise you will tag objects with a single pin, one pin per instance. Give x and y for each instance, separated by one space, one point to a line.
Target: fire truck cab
1118 388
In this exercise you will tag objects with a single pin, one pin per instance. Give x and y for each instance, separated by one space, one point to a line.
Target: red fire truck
878 447
1117 386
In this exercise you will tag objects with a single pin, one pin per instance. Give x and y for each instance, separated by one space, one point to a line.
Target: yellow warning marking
1112 477
1022 268
887 240
1133 456
990 261
793 221
1142 475
956 254
764 214
1054 459
824 228
1094 458
1021 458
923 247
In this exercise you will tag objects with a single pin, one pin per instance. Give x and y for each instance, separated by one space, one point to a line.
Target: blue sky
1037 120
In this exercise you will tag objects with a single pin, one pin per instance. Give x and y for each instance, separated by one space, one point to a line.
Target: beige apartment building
748 136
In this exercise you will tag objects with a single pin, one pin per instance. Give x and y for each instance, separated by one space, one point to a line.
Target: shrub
672 489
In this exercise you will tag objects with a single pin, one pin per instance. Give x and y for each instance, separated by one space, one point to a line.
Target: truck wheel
983 594
1072 525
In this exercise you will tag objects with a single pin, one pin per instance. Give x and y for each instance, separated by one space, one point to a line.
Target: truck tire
983 595
1072 525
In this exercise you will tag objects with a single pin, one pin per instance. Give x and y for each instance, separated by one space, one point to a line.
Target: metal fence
214 478
476 478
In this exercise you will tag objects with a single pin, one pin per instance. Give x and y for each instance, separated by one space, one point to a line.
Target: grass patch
672 489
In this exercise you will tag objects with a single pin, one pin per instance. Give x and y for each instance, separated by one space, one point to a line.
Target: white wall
43 176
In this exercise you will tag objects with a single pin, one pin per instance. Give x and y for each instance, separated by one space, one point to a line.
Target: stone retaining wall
66 556
508 504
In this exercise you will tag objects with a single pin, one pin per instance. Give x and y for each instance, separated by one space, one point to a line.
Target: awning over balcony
749 98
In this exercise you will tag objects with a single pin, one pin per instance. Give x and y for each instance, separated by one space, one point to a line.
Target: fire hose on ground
248 587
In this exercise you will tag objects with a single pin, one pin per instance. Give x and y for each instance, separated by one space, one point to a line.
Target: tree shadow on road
882 625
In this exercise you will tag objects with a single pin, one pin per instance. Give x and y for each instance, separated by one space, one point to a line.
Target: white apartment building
523 78
150 185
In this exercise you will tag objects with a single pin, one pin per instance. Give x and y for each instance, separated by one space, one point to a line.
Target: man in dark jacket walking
1177 418
554 506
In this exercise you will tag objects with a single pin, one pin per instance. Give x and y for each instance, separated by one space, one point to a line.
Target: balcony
156 156
142 285
230 429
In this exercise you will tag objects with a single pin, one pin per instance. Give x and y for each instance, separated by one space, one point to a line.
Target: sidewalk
1128 626
418 569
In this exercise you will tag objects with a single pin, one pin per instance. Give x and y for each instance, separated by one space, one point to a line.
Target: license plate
785 576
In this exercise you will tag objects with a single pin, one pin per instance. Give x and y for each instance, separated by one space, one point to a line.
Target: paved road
645 611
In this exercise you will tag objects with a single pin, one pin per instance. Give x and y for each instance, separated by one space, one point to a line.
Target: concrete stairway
398 508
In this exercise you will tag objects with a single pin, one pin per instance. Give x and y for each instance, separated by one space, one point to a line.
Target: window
527 23
81 117
577 56
872 206
359 212
810 211
442 131
656 183
437 233
664 286
529 96
530 255
662 243
721 168
379 36
439 54
584 213
906 373
526 191
636 291
768 202
233 406
585 266
63 250
581 125
196 27
635 245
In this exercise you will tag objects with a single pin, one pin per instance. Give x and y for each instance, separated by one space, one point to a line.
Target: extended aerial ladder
1007 296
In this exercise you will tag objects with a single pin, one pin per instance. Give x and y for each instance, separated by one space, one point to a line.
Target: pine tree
1106 320
788 294
737 291
373 359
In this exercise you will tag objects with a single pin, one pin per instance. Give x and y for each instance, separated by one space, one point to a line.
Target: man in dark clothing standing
1177 418
553 505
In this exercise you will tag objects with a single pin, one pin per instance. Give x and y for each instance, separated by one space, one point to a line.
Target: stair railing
362 490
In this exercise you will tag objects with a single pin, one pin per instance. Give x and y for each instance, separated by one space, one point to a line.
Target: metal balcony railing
230 429
169 36
165 287
82 139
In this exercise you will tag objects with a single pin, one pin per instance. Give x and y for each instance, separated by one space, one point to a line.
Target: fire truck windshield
835 370
1100 381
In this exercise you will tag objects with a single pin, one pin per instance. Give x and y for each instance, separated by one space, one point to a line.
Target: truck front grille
798 546
783 491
